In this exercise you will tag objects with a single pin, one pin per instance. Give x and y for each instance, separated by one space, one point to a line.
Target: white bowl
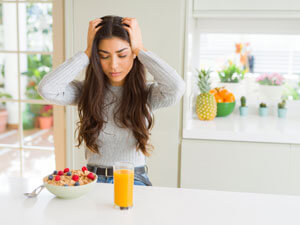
69 192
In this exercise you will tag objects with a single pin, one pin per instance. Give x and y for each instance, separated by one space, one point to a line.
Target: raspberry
60 173
66 170
84 169
57 178
91 176
75 177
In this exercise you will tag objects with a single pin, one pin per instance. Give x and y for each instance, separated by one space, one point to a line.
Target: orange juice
123 187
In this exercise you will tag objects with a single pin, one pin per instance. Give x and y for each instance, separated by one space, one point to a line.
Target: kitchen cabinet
295 169
240 166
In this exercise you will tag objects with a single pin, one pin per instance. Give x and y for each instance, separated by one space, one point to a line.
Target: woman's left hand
135 34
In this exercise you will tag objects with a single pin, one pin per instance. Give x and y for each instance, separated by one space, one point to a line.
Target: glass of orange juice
123 185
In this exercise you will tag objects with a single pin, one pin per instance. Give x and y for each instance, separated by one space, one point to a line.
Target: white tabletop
152 205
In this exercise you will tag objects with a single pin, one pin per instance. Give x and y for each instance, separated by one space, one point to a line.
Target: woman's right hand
91 34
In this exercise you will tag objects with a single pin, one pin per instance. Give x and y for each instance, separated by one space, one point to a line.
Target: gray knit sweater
117 144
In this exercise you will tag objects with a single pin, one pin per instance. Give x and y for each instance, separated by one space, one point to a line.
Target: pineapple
206 105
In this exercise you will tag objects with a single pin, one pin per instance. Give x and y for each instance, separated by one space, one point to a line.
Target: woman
115 102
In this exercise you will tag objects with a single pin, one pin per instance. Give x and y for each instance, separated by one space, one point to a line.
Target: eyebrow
100 50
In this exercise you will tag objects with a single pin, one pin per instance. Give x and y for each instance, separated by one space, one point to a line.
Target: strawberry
60 173
84 169
66 170
91 176
57 178
75 177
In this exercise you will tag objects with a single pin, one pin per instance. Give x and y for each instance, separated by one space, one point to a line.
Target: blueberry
69 173
76 184
55 172
66 185
50 177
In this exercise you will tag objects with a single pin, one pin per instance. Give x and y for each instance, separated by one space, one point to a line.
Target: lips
115 74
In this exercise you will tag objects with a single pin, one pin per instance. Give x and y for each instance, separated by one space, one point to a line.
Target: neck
120 84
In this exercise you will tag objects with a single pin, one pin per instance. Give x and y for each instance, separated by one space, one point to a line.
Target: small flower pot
263 111
281 113
243 110
45 122
3 120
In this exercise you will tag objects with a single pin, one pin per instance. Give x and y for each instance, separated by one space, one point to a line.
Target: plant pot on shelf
263 111
281 113
45 122
269 92
3 120
243 110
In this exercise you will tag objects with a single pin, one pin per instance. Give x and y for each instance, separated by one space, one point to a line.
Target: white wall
162 25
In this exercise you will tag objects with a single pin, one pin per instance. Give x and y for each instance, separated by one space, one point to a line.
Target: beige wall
162 25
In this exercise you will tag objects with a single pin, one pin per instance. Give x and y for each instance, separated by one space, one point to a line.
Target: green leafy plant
263 105
38 67
4 95
281 105
231 74
243 101
291 93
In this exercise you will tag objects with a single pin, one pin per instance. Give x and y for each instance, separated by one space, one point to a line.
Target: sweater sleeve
168 87
59 86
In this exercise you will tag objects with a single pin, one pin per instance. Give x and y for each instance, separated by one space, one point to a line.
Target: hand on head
130 25
94 26
135 34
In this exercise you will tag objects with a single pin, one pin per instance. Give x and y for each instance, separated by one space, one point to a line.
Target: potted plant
270 85
243 108
281 111
231 73
46 117
231 77
3 112
38 67
263 109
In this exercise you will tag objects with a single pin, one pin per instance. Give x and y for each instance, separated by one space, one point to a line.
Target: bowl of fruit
225 101
68 184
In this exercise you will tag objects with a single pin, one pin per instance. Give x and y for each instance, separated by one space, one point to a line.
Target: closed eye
103 57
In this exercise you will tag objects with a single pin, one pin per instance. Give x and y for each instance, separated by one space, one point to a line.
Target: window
26 120
270 52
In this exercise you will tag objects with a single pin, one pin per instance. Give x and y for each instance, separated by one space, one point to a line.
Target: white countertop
152 205
252 128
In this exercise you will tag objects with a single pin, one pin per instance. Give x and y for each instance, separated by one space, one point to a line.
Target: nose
114 63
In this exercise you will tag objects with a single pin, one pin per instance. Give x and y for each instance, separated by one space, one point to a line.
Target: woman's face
116 58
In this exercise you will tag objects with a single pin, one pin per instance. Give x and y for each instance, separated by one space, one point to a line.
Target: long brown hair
133 112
